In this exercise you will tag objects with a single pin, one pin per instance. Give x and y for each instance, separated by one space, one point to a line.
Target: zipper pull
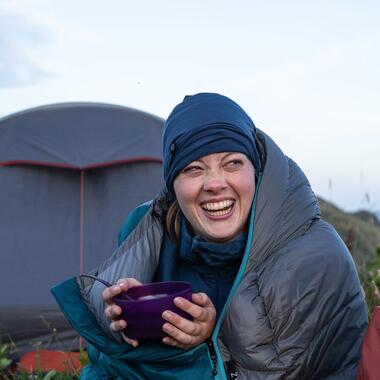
211 348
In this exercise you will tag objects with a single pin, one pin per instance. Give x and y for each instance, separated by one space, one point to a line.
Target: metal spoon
122 295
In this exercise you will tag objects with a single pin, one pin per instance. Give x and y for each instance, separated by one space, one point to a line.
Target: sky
306 72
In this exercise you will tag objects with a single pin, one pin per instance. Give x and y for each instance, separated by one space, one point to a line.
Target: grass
51 375
370 278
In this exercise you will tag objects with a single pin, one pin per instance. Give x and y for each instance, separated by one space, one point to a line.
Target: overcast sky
306 72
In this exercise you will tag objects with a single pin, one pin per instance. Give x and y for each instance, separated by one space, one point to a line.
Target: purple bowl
144 313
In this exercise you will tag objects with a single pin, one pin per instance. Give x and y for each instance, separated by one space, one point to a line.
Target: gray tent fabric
69 175
79 135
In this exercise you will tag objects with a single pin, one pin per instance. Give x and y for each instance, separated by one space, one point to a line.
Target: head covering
203 124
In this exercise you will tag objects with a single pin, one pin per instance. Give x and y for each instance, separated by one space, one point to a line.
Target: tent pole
81 218
81 221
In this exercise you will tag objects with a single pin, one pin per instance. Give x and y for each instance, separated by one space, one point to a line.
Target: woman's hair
173 221
167 210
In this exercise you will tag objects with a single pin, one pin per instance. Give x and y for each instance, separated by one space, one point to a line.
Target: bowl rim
177 294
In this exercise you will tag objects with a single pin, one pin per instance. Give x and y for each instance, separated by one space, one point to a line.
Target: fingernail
165 340
178 301
116 288
167 328
166 314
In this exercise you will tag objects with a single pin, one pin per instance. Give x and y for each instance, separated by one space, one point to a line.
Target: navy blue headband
203 124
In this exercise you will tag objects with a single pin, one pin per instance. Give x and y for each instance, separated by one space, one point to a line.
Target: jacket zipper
214 359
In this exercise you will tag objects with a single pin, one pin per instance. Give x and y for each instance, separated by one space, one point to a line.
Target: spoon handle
104 282
123 295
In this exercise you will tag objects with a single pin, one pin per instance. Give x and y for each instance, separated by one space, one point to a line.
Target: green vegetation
51 375
361 233
374 265
370 279
5 351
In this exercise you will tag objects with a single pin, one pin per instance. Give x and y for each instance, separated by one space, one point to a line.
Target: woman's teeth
218 208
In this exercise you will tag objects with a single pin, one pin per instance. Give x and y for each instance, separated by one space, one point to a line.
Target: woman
276 296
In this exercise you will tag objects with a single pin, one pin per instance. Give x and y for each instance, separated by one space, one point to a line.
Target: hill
360 231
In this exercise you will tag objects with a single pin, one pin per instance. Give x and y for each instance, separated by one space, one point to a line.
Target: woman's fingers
112 311
118 325
198 311
128 283
202 299
171 342
132 342
180 323
122 285
184 333
110 293
177 337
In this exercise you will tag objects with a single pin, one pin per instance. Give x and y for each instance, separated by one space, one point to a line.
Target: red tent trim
85 167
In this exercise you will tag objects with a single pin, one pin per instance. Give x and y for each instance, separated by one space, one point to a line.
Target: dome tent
69 175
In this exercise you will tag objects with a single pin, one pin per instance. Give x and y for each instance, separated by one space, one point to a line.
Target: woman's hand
187 334
113 311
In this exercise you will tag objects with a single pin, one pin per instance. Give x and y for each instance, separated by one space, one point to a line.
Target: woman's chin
221 234
219 228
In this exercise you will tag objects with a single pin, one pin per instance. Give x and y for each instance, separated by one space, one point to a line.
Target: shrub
370 278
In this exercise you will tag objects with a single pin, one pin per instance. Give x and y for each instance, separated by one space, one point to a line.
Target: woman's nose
214 182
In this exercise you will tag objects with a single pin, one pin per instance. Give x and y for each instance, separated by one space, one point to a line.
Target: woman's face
215 194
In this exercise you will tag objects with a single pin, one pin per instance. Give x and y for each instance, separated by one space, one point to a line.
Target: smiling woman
275 292
215 194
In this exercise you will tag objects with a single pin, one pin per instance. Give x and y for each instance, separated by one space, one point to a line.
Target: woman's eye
234 164
193 169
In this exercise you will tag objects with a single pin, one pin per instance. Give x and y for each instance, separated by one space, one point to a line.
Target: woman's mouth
218 208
